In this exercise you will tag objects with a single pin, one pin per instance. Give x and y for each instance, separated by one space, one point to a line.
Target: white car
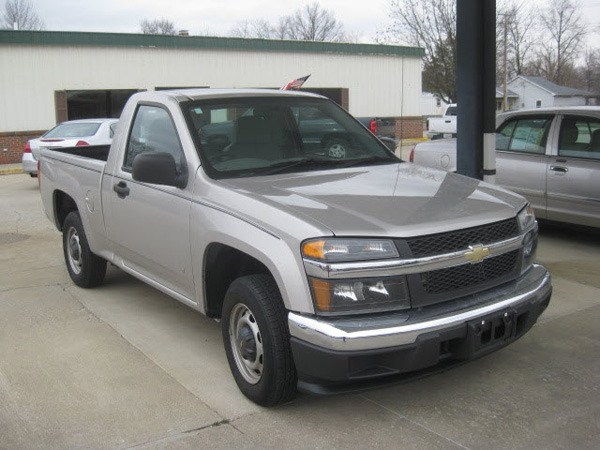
74 133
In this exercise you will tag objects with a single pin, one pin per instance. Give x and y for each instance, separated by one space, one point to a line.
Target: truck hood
398 200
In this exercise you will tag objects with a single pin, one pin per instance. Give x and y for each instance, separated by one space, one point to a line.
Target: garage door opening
91 104
338 95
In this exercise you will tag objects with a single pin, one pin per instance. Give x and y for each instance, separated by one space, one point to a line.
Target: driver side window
152 131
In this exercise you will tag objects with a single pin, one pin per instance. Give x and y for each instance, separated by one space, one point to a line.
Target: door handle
448 121
560 169
121 189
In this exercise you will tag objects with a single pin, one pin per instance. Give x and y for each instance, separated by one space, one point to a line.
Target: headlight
343 250
526 218
528 224
359 295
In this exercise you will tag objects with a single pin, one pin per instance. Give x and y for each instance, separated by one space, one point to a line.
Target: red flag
295 84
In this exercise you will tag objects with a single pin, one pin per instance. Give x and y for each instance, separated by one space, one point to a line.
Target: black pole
476 83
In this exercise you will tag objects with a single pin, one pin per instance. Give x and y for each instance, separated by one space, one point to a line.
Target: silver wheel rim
337 151
246 343
74 251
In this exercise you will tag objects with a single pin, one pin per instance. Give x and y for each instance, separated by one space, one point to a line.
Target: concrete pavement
123 365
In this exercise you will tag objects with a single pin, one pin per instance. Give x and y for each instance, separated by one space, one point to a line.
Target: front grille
467 275
436 244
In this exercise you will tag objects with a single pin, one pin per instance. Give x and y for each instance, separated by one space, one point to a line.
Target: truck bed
99 152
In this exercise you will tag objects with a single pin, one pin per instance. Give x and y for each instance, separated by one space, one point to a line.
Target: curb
10 171
411 141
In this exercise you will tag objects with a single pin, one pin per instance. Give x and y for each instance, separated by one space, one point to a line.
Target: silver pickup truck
324 269
550 156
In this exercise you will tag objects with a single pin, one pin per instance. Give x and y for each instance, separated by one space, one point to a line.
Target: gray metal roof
555 89
509 93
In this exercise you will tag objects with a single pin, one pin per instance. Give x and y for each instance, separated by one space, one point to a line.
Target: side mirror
158 168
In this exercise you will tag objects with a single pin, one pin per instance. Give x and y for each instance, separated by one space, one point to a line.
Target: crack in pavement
397 414
183 433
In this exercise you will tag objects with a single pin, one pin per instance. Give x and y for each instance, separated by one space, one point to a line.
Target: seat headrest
595 142
254 130
569 133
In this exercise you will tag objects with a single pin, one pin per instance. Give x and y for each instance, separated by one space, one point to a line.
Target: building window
438 102
91 104
538 103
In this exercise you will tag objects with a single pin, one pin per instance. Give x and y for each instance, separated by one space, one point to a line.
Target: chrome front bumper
370 333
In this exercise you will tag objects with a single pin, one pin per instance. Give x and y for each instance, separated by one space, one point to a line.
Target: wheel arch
222 264
63 204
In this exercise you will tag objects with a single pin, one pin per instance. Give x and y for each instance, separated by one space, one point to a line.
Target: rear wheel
85 268
257 340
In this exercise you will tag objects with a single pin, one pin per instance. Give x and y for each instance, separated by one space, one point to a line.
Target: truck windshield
264 136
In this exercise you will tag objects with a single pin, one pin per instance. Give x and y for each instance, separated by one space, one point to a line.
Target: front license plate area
490 332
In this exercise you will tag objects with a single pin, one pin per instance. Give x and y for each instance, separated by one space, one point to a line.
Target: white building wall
529 94
569 101
29 76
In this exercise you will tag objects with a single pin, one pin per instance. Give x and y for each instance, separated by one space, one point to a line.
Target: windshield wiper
284 166
369 160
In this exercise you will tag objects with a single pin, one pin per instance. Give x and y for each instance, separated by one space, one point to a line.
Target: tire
253 315
86 269
337 148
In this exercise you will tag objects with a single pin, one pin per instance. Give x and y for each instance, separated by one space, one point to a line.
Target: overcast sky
217 17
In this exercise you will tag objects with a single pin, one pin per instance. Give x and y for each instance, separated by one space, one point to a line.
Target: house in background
512 100
432 105
538 92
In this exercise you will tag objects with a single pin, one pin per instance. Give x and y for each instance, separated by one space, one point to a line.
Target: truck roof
209 93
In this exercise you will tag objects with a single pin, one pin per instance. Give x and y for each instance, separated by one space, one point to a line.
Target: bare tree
520 20
564 32
430 24
590 71
313 23
282 29
258 28
309 23
21 13
158 26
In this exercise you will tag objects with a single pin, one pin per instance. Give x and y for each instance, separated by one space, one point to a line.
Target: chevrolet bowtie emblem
477 253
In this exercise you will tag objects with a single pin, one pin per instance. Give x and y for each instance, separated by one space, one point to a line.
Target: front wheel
85 268
257 340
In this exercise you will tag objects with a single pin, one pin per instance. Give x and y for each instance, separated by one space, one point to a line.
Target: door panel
574 173
150 231
521 158
149 224
524 174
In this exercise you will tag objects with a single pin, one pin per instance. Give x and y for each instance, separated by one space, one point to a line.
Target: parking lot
123 365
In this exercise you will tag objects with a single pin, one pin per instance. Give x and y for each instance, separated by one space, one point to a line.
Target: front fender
282 258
